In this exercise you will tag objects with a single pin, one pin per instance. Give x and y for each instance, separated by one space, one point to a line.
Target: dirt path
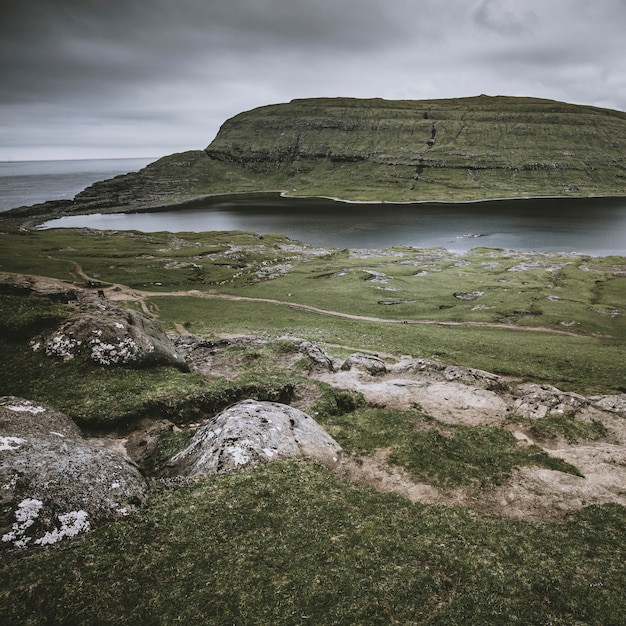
120 292
364 318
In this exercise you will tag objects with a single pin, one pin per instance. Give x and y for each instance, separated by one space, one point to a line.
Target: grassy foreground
291 544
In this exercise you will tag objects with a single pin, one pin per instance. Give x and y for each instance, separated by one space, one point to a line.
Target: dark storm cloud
49 46
158 76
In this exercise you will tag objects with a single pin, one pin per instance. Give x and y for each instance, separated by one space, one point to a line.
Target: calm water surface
589 226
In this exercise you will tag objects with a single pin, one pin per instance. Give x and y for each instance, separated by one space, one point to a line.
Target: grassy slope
456 149
290 543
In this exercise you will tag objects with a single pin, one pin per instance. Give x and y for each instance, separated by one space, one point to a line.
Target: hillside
456 149
380 150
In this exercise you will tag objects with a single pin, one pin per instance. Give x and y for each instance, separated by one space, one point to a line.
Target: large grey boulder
110 335
53 482
253 432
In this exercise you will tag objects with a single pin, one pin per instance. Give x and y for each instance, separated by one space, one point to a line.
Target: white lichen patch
25 515
26 407
124 351
62 346
238 455
72 524
10 443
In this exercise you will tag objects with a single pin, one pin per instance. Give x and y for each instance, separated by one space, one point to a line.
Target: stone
110 335
469 297
454 373
367 362
320 361
611 403
54 484
253 432
537 401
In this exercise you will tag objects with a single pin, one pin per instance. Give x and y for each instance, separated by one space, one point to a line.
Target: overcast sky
146 78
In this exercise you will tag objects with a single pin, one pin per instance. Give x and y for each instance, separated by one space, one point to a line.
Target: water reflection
594 226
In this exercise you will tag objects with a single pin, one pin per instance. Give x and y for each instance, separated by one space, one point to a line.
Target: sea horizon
28 182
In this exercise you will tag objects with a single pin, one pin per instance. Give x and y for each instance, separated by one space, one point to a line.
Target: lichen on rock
109 335
253 432
54 483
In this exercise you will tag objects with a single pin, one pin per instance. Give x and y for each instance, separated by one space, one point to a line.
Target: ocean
23 183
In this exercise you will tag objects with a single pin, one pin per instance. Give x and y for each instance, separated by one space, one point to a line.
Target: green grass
22 316
556 427
436 453
289 543
581 363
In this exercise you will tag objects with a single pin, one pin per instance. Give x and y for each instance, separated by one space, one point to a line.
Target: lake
595 226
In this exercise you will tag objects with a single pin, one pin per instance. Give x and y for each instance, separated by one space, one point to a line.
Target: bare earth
531 493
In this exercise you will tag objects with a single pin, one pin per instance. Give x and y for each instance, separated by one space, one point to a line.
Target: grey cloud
50 48
497 16
162 75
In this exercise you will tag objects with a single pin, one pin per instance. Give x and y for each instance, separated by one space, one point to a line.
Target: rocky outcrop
449 373
366 362
537 401
250 433
613 403
109 335
54 483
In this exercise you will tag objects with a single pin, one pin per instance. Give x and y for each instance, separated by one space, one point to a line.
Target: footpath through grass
572 362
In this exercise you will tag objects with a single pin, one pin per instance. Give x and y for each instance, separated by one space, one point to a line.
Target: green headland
387 151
